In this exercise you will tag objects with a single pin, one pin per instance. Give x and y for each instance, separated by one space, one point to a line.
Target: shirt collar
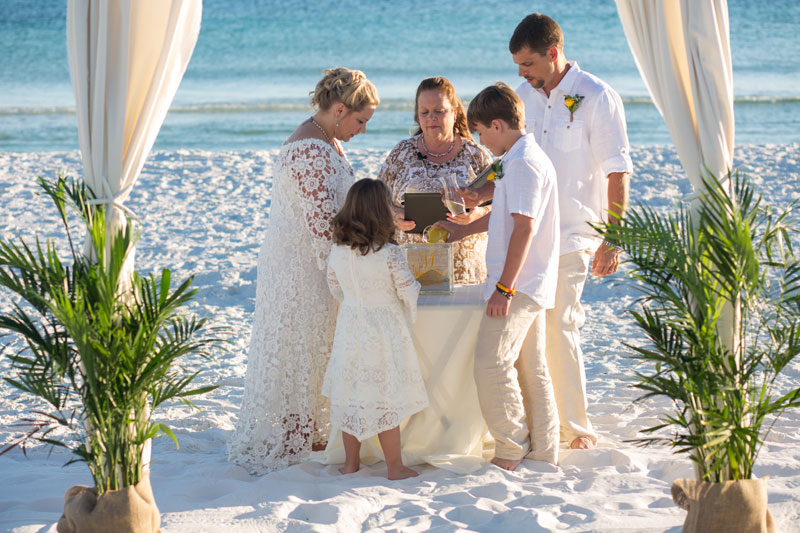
568 82
517 146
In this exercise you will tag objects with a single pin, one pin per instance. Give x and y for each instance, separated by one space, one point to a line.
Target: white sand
203 213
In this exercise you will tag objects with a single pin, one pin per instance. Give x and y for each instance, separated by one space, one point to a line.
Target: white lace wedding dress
283 412
373 379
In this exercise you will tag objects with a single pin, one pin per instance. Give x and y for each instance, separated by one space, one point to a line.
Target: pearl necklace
314 122
425 147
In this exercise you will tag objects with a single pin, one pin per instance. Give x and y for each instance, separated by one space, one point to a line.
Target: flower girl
373 377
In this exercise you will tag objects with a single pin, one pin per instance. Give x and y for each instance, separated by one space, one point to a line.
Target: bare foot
506 464
319 446
582 443
349 469
403 472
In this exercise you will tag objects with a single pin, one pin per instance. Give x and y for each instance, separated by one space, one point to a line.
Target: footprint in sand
317 513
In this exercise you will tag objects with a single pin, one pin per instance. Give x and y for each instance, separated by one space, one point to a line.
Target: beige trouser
564 355
514 387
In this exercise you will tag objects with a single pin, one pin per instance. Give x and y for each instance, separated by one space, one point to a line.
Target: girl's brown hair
446 88
366 221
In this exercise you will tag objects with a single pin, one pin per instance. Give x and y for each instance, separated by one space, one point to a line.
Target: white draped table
450 433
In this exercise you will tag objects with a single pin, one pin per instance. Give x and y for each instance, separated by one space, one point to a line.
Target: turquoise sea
255 61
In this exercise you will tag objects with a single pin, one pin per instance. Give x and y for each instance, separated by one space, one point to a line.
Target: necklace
314 122
425 147
424 160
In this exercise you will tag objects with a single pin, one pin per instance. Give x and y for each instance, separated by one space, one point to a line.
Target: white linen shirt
528 187
584 152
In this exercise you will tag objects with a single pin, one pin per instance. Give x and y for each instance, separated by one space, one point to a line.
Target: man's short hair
498 101
538 32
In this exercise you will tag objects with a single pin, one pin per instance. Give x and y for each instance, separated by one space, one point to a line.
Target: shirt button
545 131
549 106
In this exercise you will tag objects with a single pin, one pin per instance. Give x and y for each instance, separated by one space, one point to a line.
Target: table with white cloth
451 432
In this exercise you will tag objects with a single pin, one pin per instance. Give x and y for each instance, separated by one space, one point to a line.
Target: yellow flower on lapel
573 102
497 171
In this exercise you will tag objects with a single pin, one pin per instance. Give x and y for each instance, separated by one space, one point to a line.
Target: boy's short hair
498 101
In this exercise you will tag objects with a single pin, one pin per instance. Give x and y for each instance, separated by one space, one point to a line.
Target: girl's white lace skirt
373 378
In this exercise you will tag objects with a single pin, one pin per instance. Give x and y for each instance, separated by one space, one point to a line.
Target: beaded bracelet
612 245
505 291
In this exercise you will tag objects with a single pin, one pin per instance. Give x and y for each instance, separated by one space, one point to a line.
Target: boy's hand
498 305
471 215
456 231
471 197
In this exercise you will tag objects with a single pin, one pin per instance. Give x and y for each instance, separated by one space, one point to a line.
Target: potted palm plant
729 255
102 352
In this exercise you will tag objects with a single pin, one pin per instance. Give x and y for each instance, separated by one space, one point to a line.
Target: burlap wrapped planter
730 507
130 510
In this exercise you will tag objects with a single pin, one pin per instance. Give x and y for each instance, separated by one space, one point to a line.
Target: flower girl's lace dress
373 380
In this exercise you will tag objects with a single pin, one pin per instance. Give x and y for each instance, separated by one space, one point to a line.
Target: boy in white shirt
514 387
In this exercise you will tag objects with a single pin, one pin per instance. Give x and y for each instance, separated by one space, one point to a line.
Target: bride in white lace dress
283 415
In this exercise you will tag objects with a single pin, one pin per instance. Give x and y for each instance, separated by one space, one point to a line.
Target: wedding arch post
682 50
126 60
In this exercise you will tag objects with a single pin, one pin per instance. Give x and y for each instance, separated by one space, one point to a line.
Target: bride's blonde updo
351 87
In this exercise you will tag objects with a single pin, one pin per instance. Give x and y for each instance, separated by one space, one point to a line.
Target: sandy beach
203 213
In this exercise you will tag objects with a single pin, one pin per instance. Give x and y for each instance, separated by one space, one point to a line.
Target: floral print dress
404 169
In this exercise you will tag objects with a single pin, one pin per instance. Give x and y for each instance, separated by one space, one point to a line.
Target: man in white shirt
579 121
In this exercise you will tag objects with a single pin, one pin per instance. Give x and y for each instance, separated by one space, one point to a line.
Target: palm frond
733 252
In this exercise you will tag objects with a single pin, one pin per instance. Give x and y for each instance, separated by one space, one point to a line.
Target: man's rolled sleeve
609 139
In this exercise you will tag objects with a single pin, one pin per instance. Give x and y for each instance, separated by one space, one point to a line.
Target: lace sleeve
333 284
312 166
394 171
404 283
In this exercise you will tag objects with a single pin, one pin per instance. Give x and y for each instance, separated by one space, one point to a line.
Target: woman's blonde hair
366 221
350 87
444 86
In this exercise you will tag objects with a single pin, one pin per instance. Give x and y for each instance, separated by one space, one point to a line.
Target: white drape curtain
126 60
682 49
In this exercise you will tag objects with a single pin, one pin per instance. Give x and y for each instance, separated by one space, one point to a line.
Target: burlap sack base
730 507
130 510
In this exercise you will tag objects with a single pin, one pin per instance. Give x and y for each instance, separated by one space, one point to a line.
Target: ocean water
246 86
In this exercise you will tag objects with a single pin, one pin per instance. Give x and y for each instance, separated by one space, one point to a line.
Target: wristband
505 291
612 245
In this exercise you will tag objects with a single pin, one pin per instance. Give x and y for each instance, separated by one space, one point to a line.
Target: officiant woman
441 144
283 414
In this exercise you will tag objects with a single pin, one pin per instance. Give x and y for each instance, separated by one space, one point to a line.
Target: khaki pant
564 355
514 387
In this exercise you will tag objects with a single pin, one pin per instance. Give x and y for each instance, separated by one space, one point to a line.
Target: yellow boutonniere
497 171
573 102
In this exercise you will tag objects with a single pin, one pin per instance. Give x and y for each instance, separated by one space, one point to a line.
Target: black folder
424 208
